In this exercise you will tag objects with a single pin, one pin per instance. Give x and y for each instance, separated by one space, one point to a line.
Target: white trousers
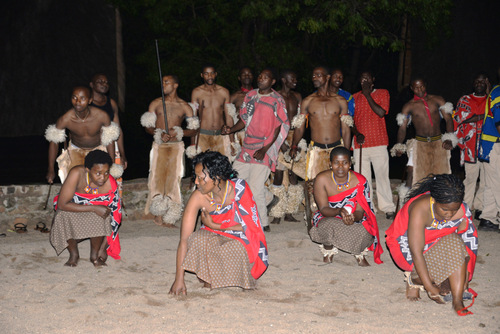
472 173
491 197
256 176
378 157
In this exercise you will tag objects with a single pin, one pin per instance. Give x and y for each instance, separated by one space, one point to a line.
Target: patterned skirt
352 239
445 257
218 260
77 225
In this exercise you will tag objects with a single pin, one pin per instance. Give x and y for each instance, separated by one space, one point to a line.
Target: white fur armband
116 171
192 151
193 123
451 137
179 133
400 118
148 119
298 120
110 133
231 110
54 134
447 108
194 106
347 120
157 136
399 147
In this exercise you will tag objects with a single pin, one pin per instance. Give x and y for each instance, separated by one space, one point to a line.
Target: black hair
272 70
325 68
94 78
286 72
478 74
444 188
207 65
97 157
244 67
85 88
216 164
174 77
416 78
370 72
339 150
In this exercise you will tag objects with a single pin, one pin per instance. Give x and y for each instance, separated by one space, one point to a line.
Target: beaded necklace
435 222
342 185
212 201
89 189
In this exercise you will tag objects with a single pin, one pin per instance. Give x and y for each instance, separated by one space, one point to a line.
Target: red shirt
368 122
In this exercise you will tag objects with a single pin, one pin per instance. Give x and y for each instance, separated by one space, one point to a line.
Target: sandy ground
297 294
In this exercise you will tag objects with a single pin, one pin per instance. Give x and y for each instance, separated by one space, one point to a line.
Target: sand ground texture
297 294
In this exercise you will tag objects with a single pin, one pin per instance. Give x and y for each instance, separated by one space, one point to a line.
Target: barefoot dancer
88 206
230 247
434 240
345 219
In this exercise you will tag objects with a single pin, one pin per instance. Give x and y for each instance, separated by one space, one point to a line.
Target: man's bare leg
95 246
278 181
292 178
74 255
409 176
158 220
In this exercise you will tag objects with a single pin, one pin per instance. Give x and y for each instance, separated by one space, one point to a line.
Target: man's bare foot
362 262
98 263
158 221
412 294
276 220
328 259
290 218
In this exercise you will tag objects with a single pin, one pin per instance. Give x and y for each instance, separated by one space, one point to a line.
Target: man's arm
259 154
346 129
377 109
299 123
120 142
55 134
449 138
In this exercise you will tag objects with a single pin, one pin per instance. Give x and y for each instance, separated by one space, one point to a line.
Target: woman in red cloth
345 219
230 248
435 242
88 206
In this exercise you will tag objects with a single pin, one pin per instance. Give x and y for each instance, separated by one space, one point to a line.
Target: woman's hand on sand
178 288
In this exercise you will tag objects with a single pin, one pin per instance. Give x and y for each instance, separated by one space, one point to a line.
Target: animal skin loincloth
214 142
429 157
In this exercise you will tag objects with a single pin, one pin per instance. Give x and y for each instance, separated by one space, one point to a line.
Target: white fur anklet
328 252
410 282
159 205
192 151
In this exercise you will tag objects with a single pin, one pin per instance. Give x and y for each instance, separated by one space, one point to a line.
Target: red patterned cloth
243 211
468 134
358 195
262 114
113 201
397 237
368 122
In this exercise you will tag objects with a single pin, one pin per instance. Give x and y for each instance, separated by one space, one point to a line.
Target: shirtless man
246 79
291 197
167 154
213 103
89 127
327 114
100 99
430 151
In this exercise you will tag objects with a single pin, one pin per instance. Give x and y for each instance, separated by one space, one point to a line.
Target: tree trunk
120 62
404 68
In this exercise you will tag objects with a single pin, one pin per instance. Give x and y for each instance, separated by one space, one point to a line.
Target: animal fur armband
347 120
399 147
116 171
148 119
54 134
110 133
231 110
451 137
400 118
157 136
193 123
194 106
447 108
192 151
179 133
298 120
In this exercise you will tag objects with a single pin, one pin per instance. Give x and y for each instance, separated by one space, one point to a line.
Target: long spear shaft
161 85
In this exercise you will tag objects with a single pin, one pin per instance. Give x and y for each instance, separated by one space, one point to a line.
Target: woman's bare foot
72 261
98 263
328 259
362 262
290 218
412 294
